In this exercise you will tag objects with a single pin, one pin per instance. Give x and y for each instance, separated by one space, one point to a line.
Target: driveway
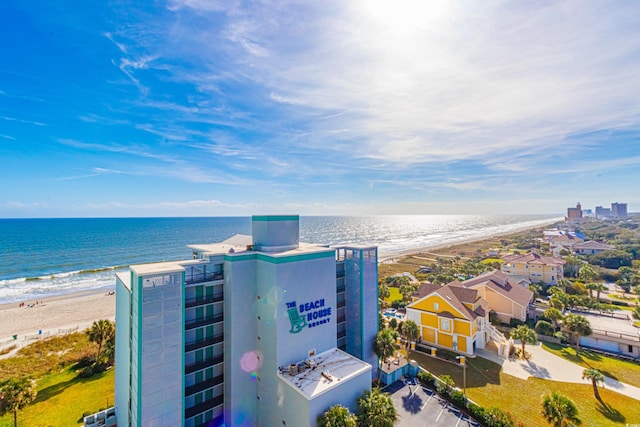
546 365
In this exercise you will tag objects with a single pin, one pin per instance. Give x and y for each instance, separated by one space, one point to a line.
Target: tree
383 291
536 289
411 331
384 346
15 395
554 315
595 377
587 274
591 287
526 335
600 288
103 333
578 326
375 409
559 410
337 416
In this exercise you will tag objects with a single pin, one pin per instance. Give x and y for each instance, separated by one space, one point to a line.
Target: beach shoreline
54 315
78 310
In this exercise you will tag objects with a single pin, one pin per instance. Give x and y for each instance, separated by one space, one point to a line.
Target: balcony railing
203 321
340 274
202 277
342 334
193 367
193 389
208 299
203 407
203 342
341 288
341 318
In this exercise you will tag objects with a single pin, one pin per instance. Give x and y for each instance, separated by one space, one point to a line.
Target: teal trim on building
280 259
182 292
275 218
362 318
138 341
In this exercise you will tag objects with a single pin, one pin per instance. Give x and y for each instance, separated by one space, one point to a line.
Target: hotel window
445 324
436 306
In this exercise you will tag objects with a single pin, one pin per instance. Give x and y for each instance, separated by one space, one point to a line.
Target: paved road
546 365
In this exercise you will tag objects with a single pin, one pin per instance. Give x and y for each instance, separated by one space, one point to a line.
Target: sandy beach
79 310
51 315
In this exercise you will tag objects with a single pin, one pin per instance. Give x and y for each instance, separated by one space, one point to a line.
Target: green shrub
514 323
458 399
496 417
426 378
544 328
477 412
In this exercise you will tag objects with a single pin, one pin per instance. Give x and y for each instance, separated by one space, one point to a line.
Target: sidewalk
545 365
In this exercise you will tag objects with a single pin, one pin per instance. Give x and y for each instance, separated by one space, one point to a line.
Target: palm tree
578 326
587 273
384 346
526 335
376 409
554 315
591 287
596 377
600 288
101 332
15 395
559 410
337 416
411 331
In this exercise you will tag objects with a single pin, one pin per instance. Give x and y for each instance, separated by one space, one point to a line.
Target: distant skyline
215 108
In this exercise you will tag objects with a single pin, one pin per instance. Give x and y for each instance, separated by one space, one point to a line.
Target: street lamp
462 360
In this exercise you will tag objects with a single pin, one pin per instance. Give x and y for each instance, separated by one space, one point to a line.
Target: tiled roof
593 245
454 293
533 258
503 284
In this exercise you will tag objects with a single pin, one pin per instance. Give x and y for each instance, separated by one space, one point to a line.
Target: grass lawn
621 370
63 397
489 387
491 260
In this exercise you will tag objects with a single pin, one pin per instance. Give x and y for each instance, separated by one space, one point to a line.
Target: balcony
195 302
202 277
203 321
341 318
342 334
204 342
203 407
341 288
340 274
212 382
193 367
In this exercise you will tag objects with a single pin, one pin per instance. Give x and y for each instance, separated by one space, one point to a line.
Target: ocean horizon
42 257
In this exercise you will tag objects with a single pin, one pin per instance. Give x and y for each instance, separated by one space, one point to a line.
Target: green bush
514 323
426 378
544 328
458 399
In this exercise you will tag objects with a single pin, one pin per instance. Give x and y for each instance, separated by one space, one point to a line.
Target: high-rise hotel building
257 330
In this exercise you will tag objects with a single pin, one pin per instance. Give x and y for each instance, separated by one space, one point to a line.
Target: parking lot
419 406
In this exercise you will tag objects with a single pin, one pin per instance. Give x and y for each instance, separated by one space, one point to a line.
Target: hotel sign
309 315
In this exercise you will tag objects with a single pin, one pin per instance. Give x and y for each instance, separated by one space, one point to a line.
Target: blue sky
196 108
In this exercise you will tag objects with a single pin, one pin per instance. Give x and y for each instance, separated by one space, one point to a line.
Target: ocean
47 257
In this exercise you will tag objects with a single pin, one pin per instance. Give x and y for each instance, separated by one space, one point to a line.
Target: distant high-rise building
257 330
602 212
574 213
619 210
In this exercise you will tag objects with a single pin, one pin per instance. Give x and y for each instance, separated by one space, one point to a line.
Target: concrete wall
123 304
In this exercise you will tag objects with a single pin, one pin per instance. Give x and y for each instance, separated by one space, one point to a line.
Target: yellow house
450 316
503 294
536 267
